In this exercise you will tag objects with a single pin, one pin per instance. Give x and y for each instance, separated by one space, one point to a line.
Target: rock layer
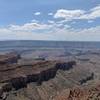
17 76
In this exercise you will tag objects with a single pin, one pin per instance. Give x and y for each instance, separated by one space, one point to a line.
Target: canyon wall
43 75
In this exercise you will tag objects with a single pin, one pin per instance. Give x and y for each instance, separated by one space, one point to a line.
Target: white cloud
88 34
21 35
56 30
29 27
93 13
37 13
50 14
54 33
90 21
70 15
35 21
51 21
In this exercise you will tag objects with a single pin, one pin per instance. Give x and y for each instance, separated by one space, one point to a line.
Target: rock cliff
16 76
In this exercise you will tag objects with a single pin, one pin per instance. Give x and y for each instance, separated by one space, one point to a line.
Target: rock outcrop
80 93
9 58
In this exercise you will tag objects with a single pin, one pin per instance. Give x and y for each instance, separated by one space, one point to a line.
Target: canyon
49 79
17 76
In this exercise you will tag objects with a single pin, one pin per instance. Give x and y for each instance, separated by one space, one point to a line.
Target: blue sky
69 20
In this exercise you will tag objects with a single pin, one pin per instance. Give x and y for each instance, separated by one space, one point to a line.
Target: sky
61 20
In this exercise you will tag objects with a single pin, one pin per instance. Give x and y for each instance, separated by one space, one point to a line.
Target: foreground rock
80 93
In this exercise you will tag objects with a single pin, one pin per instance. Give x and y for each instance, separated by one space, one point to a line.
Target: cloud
22 35
90 21
92 14
70 34
29 27
56 29
35 21
70 15
51 21
37 13
16 32
50 14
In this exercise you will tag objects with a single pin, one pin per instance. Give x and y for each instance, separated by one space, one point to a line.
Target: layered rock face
40 72
46 79
9 58
17 76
